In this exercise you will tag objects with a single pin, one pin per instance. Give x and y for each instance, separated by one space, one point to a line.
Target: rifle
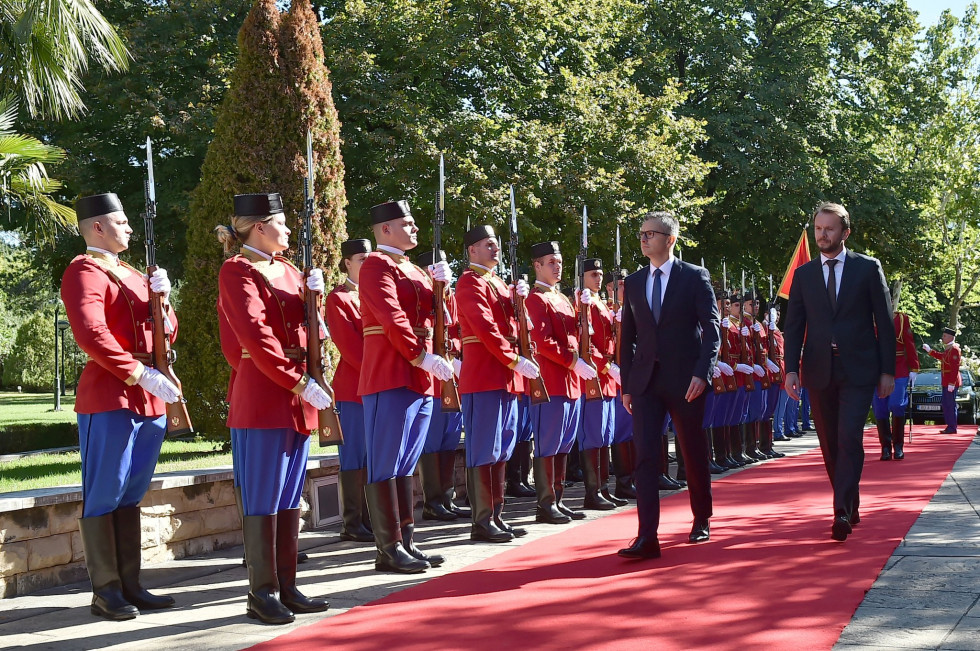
178 420
440 336
330 432
745 354
760 352
777 377
718 384
525 347
730 383
592 389
617 326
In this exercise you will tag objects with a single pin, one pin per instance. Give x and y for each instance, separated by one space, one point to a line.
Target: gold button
289 325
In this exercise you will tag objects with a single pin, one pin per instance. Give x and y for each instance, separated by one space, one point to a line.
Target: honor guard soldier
120 403
752 332
892 434
437 465
745 371
490 383
272 400
623 452
397 382
724 389
598 421
949 368
519 464
554 333
343 314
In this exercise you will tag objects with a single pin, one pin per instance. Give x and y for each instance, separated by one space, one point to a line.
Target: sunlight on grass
27 408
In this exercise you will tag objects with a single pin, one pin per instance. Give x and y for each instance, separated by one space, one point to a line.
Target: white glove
457 367
758 370
757 326
619 315
726 323
316 396
726 369
615 374
927 348
527 368
160 284
950 387
156 383
583 370
522 288
314 282
743 368
716 372
440 271
745 331
437 366
771 365
585 297
912 376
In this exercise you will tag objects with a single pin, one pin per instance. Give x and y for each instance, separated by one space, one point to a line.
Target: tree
278 90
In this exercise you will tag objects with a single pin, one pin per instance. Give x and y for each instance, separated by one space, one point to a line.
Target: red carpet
770 577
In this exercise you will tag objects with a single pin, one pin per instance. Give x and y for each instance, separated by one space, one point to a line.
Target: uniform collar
255 256
351 285
480 269
545 287
395 254
102 254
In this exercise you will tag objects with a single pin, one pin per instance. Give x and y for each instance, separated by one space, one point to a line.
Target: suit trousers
650 410
839 412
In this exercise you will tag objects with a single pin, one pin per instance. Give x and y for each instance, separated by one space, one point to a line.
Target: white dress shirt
664 276
838 268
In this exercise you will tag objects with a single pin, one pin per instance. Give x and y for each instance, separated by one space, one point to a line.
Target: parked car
927 395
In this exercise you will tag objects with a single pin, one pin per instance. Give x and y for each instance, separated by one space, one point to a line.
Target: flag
801 255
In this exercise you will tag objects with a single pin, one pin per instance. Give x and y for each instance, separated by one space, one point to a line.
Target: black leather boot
898 437
681 465
604 478
561 461
735 442
544 484
128 556
497 473
765 439
517 468
622 458
447 476
719 443
382 501
713 467
406 516
102 561
573 471
479 487
351 485
885 438
667 483
433 497
589 460
259 532
287 546
751 447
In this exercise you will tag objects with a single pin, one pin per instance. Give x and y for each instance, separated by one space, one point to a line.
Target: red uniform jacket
756 339
777 355
741 350
453 336
949 364
489 331
555 334
397 311
108 307
906 358
603 345
261 318
343 313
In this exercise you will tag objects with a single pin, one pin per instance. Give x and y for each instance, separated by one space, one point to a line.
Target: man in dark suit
670 343
839 318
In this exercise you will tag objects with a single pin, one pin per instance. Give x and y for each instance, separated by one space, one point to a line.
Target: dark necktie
655 299
832 284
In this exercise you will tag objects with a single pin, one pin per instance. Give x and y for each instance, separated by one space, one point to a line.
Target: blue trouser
524 431
490 421
792 413
772 394
622 422
353 453
722 409
779 414
119 451
805 408
710 401
270 465
395 424
554 425
445 430
740 406
597 427
949 407
757 404
896 403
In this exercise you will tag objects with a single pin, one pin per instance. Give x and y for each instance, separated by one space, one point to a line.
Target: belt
475 340
420 332
144 358
298 354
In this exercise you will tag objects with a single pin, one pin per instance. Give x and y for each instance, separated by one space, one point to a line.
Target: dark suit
841 383
658 362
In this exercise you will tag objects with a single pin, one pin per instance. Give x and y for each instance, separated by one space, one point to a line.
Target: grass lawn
28 408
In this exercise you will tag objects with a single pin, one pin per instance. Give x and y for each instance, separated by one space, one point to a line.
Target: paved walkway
927 598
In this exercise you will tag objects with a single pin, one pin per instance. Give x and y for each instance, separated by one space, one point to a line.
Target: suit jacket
863 302
686 340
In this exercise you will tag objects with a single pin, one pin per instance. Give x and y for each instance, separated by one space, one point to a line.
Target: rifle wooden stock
440 344
525 347
592 389
328 428
178 420
760 357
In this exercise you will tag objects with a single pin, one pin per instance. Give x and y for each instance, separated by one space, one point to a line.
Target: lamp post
57 376
63 325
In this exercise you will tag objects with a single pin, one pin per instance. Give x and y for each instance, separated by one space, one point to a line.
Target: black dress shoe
641 547
841 528
667 483
699 532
